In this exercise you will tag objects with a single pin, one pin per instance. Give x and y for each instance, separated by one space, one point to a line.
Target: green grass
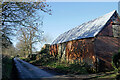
68 68
6 68
49 61
109 76
64 67
22 57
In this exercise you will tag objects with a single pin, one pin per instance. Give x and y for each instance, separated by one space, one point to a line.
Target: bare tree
30 36
21 49
22 16
18 14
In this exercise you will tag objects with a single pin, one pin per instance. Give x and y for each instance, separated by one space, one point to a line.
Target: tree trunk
30 44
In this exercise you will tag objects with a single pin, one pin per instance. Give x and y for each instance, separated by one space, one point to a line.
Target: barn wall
107 44
107 31
80 51
54 50
110 29
105 47
75 51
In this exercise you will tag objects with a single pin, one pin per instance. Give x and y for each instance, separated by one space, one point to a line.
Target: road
27 70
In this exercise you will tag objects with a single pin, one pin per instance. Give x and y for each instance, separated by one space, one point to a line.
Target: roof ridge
87 29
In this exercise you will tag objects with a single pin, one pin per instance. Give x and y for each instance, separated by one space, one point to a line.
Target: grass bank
49 62
9 71
7 65
68 68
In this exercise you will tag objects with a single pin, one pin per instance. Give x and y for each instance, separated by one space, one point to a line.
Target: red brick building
94 42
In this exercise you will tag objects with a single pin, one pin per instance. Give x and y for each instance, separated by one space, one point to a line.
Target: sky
67 15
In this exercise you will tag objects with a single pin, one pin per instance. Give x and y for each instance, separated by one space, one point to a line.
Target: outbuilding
93 42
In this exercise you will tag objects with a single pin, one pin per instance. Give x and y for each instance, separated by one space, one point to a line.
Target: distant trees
7 46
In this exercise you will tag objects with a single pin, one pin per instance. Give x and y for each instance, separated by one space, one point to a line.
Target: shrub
116 61
89 68
44 59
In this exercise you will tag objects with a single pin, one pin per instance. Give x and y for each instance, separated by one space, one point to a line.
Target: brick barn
93 42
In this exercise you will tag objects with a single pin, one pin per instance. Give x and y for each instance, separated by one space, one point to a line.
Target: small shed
93 42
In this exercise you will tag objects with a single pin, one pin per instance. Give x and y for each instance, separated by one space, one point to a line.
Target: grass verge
7 66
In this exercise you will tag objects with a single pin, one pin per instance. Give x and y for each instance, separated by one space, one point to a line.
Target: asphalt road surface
28 71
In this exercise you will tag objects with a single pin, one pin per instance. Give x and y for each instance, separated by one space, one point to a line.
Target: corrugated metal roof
86 30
